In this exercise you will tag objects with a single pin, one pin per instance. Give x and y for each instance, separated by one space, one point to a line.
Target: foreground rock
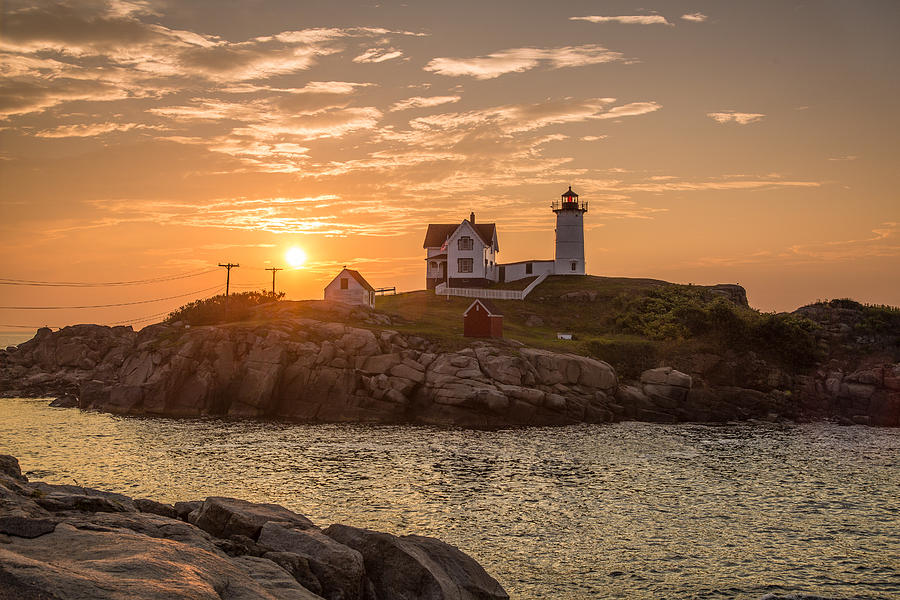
68 549
419 567
298 368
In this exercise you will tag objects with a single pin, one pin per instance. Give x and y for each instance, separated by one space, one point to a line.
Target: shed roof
355 275
489 306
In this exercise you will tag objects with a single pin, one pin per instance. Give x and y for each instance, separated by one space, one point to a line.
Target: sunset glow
295 257
752 143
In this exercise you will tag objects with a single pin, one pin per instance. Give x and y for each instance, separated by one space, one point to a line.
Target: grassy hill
634 324
628 322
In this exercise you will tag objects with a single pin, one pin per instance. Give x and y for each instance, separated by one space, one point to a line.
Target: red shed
482 319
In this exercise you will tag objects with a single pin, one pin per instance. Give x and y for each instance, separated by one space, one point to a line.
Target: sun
295 257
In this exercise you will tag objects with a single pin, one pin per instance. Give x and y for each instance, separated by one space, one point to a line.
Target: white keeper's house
465 254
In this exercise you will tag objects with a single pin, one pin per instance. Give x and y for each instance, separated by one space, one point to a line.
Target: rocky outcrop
304 369
310 370
867 396
236 550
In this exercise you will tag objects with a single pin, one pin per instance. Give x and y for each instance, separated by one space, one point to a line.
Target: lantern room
569 201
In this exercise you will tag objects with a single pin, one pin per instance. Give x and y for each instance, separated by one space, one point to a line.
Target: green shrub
219 309
788 338
629 358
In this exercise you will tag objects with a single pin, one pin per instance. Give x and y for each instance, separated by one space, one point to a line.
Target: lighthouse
569 259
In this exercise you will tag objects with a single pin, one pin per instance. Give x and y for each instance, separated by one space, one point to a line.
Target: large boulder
338 568
666 387
418 568
274 579
122 565
225 517
72 497
9 465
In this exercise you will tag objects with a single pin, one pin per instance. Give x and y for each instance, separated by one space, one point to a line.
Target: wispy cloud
882 243
844 158
28 95
626 19
735 117
517 60
377 55
98 51
89 129
285 215
423 102
696 17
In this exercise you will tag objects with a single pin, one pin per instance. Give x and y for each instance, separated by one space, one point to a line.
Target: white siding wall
476 253
564 266
516 271
354 294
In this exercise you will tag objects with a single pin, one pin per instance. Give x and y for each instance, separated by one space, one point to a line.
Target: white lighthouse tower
569 259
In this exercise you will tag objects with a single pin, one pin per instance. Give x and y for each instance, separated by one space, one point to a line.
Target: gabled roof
355 275
437 233
489 306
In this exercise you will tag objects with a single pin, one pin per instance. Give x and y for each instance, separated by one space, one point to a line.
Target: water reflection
631 510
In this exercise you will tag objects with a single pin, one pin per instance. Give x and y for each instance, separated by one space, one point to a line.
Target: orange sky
747 142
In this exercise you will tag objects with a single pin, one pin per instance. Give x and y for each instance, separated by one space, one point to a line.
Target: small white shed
350 287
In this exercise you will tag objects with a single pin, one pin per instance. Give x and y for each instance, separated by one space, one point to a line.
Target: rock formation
61 542
299 368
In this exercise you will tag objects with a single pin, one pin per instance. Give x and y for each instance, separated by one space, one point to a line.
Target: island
640 349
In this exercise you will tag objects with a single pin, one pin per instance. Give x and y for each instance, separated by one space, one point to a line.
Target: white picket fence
443 290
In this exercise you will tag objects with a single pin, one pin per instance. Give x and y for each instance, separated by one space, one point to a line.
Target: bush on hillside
629 358
674 312
682 313
219 309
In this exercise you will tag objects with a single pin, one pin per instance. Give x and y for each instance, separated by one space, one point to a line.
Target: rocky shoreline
316 370
67 542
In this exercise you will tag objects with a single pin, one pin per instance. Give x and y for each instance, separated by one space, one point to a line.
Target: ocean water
14 338
631 510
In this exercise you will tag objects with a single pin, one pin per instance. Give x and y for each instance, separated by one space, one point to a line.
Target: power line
260 284
109 305
124 322
32 282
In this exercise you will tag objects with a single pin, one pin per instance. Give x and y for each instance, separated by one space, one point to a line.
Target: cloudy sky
748 142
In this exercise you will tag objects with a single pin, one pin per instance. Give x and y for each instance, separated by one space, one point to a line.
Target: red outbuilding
482 319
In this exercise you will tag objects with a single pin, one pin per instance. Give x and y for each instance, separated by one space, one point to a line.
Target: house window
465 243
345 283
433 266
574 266
528 268
464 265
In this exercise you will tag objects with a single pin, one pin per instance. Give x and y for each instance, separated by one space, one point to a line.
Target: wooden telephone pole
274 270
228 268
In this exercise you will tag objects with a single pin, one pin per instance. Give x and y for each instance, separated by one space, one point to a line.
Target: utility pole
228 267
274 270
